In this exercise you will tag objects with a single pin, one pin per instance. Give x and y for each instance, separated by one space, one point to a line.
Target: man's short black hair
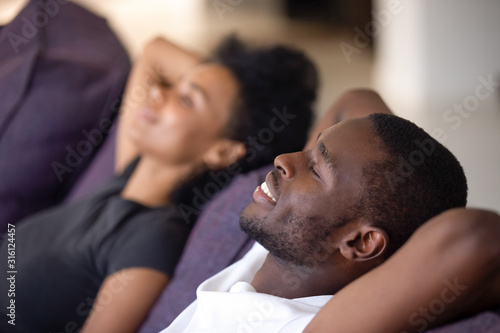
418 180
276 82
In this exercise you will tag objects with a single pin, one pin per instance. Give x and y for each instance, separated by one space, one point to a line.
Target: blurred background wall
435 62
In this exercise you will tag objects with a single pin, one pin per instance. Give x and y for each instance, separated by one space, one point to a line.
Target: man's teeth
264 188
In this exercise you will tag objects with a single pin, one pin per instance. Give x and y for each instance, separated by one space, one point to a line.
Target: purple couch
90 55
62 73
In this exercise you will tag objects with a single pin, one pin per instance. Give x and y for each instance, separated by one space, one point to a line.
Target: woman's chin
137 137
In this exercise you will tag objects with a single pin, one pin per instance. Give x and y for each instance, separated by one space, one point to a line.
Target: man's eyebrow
198 88
326 156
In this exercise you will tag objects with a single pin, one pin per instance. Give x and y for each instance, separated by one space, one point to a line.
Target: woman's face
179 124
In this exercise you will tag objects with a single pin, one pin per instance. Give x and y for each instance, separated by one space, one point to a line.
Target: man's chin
250 212
256 229
251 225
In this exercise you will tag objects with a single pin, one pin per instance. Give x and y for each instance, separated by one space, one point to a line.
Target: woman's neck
152 182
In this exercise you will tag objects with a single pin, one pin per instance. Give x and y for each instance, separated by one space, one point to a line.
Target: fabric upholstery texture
62 73
484 322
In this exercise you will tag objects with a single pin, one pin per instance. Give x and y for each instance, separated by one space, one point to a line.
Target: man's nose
287 164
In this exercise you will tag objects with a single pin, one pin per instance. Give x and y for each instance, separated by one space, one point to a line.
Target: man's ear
224 153
363 242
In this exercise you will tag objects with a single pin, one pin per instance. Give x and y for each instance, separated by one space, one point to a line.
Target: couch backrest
62 73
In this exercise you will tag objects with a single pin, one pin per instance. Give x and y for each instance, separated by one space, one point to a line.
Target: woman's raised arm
161 63
354 103
124 300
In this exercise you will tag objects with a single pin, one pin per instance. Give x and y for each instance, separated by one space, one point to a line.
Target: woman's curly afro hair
273 80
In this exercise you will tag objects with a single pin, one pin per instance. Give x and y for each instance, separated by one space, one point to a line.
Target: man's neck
289 281
152 182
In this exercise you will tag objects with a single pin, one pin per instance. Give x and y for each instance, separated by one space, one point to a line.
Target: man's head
358 194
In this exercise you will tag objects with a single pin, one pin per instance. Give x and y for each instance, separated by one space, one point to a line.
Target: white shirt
227 302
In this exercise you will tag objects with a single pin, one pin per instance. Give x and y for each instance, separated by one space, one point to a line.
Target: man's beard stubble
294 242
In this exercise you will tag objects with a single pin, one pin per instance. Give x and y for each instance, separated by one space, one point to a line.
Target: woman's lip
260 196
147 114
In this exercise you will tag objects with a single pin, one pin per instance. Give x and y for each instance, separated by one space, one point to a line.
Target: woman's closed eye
186 101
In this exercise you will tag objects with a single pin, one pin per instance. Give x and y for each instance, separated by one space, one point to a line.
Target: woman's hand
161 64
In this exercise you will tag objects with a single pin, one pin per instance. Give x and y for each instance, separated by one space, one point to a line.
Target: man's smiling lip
260 196
271 182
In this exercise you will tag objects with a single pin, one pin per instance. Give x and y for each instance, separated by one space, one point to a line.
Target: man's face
311 193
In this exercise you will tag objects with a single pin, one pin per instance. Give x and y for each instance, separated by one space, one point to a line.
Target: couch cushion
62 72
100 170
485 322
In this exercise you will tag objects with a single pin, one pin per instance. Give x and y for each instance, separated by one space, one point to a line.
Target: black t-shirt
63 255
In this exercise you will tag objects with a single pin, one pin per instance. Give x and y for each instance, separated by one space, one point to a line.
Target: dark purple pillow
62 73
